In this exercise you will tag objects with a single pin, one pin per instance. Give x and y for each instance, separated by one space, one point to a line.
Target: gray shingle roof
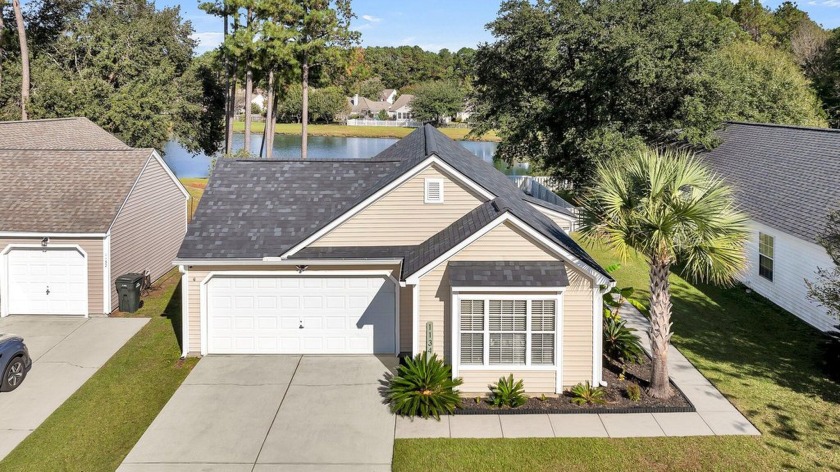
353 252
65 134
257 208
786 177
508 274
65 191
261 208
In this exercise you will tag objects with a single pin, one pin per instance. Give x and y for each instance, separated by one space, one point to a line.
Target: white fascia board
501 289
171 174
21 234
432 159
274 261
549 211
599 278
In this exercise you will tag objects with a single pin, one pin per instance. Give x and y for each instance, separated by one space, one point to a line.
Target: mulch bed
615 396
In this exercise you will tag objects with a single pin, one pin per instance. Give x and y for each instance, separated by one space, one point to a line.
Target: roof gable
66 191
66 134
784 176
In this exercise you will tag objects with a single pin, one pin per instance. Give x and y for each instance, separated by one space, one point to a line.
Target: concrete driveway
301 413
67 351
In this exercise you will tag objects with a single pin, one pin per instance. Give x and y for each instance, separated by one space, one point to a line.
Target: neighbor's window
515 332
765 256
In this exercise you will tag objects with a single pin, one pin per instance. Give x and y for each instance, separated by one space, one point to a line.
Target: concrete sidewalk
714 415
66 351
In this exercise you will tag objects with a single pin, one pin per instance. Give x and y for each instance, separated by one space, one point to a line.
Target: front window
508 332
765 256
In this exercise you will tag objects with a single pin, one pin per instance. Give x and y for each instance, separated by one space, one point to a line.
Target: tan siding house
402 216
83 209
367 256
150 227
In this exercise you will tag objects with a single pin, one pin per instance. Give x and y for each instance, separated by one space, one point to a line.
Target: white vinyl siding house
786 179
791 261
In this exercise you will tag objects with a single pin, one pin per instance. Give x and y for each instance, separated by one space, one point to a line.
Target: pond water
185 164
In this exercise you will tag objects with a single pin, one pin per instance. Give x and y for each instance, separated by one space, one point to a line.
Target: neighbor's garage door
301 315
47 281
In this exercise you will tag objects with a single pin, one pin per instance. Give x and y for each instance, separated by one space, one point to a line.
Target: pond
184 164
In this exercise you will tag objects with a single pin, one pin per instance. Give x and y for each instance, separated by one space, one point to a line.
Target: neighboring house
80 208
787 179
259 100
424 246
388 95
366 107
398 109
401 109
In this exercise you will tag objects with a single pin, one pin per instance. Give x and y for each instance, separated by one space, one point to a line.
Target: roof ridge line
429 139
780 125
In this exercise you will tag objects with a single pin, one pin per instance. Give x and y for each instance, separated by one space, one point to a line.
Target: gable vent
434 191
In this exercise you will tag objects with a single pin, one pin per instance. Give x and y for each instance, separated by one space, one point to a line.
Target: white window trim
455 354
430 181
772 259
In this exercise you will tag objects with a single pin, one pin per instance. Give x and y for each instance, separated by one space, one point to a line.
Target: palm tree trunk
249 87
660 328
24 59
304 141
270 116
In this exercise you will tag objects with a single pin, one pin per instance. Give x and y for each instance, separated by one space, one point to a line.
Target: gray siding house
79 208
787 179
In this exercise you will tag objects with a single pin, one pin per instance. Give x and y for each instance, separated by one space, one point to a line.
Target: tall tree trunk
270 116
24 59
227 87
660 328
304 139
2 52
231 111
249 85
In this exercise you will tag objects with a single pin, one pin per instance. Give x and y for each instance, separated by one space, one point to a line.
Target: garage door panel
338 314
48 281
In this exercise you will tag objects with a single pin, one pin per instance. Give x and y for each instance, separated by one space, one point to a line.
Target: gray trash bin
128 289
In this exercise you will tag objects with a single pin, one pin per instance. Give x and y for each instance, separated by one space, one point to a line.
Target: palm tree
667 206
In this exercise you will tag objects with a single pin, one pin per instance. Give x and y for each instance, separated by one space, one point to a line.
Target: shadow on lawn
745 330
174 314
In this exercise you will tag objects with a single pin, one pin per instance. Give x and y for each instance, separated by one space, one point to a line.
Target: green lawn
762 358
357 131
195 186
100 423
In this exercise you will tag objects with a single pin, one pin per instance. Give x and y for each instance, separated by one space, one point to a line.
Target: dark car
14 361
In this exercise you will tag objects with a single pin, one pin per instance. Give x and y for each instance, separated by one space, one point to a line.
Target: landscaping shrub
423 387
634 392
507 392
620 342
586 394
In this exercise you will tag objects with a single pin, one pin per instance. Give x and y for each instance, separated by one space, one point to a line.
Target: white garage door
51 281
301 315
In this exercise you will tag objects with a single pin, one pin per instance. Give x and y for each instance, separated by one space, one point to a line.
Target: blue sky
434 24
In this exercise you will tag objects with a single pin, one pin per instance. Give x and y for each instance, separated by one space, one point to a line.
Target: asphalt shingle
786 177
64 176
508 274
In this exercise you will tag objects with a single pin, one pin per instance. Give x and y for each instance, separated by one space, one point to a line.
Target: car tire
13 375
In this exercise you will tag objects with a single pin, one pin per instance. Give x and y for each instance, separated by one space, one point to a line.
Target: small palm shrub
634 392
507 392
423 387
586 394
620 342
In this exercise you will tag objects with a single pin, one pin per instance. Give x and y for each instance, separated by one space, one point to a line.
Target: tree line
572 83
